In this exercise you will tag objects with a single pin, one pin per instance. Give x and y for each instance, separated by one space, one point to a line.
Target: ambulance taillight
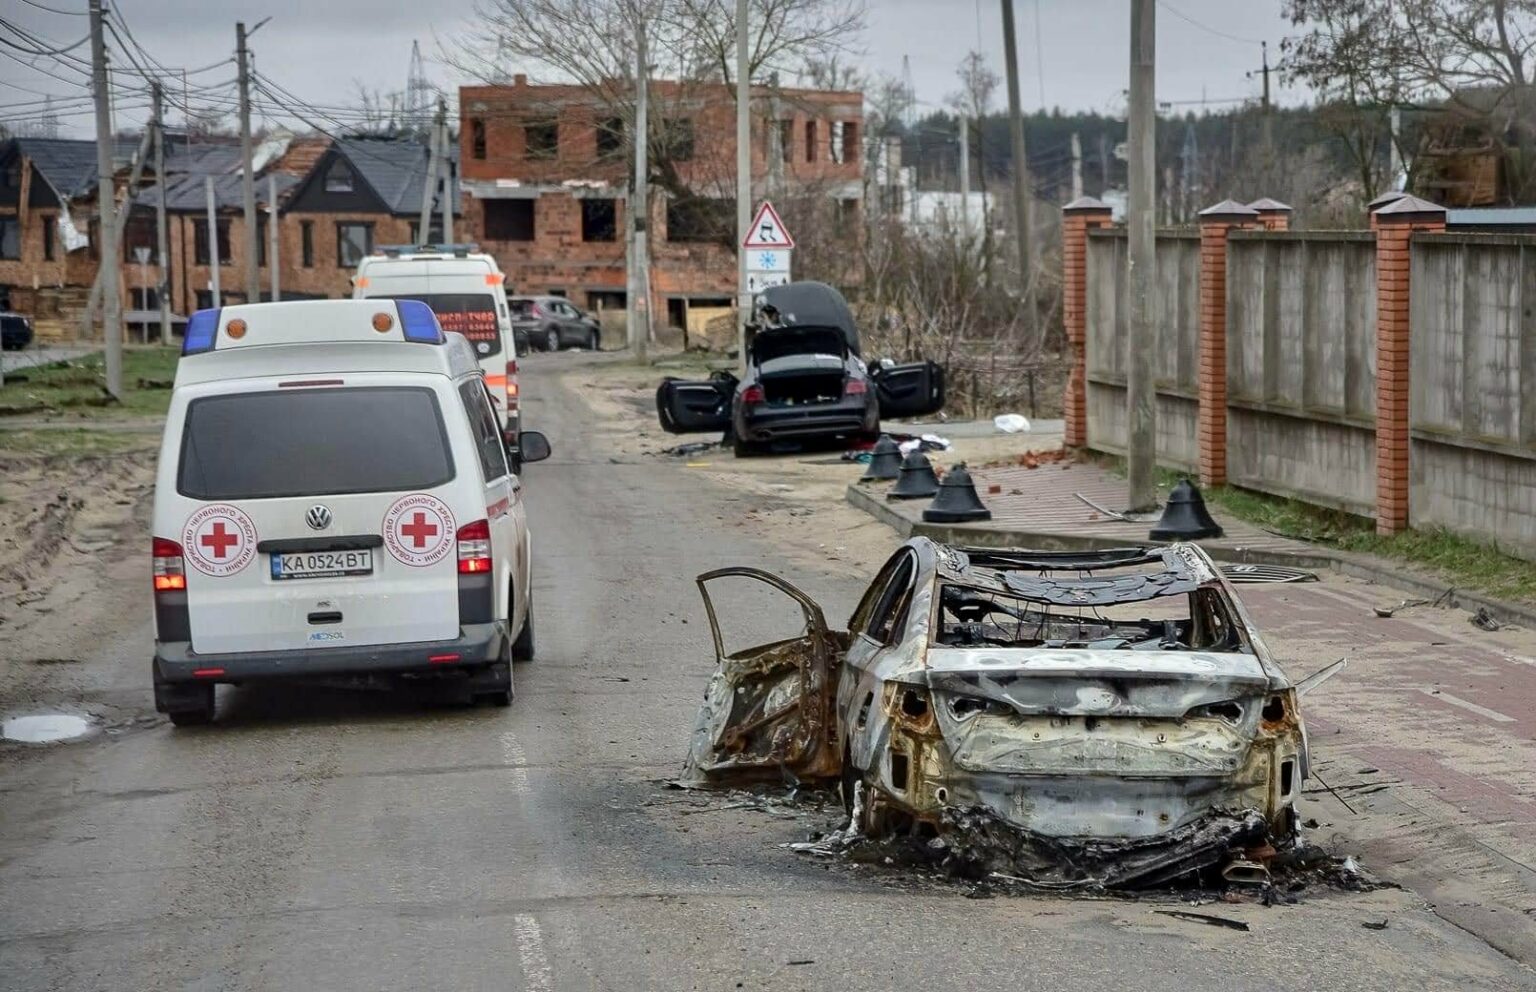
475 547
169 571
511 385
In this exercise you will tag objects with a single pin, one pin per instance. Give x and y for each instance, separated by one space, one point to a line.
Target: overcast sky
1073 53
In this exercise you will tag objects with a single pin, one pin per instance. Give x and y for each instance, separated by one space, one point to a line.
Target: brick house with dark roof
547 172
362 193
47 187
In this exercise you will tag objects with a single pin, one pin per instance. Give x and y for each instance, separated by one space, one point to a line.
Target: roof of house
1491 217
395 168
188 192
69 164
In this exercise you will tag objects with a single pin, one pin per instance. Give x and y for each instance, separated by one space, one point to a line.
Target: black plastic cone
917 479
884 461
1185 518
957 501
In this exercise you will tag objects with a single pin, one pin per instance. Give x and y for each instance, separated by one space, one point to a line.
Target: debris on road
1483 620
1206 918
1385 612
1093 720
1011 423
691 448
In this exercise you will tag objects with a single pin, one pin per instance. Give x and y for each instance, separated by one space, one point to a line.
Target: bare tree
1472 59
978 84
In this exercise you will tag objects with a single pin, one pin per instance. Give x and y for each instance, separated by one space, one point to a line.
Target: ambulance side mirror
532 446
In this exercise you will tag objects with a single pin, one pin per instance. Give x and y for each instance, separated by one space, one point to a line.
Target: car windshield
313 442
470 314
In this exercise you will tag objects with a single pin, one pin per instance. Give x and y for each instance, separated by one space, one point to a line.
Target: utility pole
106 205
1141 443
743 178
162 233
1394 150
272 240
1023 197
1077 166
213 243
247 173
442 143
965 176
775 139
429 184
640 296
1267 121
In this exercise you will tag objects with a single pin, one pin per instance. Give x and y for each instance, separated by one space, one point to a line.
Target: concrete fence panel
1472 403
1176 358
1301 315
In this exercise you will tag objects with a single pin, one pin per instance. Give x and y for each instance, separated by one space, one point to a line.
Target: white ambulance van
334 501
467 291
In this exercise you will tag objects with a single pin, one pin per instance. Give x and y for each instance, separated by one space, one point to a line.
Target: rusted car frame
1105 718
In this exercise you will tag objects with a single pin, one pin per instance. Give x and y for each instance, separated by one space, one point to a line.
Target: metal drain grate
1267 573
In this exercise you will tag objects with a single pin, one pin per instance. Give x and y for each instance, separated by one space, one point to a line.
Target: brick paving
1041 501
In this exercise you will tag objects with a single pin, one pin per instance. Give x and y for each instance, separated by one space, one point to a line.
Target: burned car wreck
804 379
1096 719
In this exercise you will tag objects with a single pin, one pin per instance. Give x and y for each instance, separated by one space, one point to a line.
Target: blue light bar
202 332
419 322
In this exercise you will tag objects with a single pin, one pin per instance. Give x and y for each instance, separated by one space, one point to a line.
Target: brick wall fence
1385 372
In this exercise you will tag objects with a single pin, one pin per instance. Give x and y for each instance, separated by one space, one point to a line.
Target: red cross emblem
418 530
219 540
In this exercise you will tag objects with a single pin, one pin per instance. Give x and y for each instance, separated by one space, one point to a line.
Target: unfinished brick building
546 171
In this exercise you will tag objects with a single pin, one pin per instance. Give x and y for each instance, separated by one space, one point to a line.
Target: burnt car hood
777 343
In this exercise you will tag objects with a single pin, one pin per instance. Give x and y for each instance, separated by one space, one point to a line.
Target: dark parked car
804 379
550 323
15 331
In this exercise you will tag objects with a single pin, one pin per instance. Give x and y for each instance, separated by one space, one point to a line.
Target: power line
25 35
54 10
1205 27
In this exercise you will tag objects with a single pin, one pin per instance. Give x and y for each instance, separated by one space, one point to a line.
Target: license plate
322 564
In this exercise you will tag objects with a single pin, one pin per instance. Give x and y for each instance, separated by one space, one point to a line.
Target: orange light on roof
495 278
383 322
360 281
235 328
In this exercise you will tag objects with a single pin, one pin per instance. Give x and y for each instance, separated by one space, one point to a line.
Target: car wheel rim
553 341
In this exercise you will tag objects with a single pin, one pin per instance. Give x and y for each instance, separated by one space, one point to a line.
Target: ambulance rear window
470 314
313 442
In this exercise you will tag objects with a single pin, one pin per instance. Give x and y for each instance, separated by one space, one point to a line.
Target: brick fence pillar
1077 219
1211 418
1395 225
1273 215
1386 199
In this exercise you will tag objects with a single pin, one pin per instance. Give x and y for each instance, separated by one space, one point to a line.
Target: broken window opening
542 139
599 220
1194 621
510 220
476 138
610 137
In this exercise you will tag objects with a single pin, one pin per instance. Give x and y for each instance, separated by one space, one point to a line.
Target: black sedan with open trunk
804 379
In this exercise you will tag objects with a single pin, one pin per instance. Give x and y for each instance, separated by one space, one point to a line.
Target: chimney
521 79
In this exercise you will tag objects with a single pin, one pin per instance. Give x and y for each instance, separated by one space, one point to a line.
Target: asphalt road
341 841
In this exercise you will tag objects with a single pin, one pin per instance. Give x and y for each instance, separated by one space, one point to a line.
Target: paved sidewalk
1036 508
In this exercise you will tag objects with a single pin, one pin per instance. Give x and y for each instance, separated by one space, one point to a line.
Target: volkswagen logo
318 517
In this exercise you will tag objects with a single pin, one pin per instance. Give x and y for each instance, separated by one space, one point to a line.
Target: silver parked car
1100 719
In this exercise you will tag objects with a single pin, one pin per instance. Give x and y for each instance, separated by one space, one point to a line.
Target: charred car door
769 711
910 390
687 406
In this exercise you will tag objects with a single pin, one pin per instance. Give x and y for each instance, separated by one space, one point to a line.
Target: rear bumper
764 423
478 645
